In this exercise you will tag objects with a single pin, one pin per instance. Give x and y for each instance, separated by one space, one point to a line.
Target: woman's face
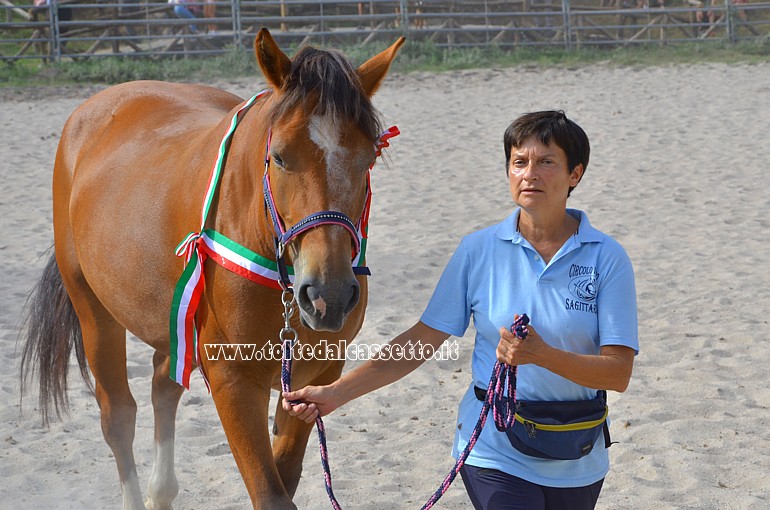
539 175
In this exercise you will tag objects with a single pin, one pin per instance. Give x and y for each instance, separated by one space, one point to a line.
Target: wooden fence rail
75 29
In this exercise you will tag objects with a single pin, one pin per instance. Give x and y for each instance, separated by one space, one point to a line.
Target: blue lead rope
501 398
502 381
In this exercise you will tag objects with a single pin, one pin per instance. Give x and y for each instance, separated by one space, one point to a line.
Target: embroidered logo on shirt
583 288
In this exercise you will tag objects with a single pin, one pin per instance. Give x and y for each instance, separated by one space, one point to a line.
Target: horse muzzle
325 306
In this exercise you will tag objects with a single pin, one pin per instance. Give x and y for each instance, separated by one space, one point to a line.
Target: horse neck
240 209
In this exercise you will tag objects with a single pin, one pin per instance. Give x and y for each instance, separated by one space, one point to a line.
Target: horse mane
328 76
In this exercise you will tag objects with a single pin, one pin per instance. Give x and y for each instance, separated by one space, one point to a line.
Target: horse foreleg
163 486
289 442
290 436
242 403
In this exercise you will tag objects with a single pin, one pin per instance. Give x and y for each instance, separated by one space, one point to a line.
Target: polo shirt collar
586 233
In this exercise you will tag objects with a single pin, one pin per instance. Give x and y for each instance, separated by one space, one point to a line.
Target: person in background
703 15
63 12
210 11
192 9
576 284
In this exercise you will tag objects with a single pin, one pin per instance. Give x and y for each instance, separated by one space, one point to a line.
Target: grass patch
414 56
121 69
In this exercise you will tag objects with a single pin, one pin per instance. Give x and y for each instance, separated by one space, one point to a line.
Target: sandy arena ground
678 175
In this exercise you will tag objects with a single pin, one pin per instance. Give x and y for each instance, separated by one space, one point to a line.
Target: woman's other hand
517 351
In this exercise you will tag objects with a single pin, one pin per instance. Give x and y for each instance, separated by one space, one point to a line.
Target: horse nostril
310 295
354 295
315 301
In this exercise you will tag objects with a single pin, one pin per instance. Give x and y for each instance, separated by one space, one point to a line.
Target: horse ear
372 72
274 63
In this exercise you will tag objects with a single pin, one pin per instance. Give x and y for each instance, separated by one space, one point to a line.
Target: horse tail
52 329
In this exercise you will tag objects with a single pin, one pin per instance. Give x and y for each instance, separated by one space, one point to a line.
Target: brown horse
133 165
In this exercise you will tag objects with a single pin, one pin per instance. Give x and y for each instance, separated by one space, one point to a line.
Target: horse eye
278 160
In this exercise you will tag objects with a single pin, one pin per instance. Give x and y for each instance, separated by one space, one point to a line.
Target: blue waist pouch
560 430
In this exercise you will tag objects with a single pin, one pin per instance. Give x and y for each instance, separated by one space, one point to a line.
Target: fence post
730 21
322 24
235 8
565 8
404 15
53 20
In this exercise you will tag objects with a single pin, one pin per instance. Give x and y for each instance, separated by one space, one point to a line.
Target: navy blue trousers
490 489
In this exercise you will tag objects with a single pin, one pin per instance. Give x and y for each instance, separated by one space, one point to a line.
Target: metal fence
74 29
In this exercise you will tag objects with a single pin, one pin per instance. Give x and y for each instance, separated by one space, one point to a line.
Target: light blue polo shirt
582 299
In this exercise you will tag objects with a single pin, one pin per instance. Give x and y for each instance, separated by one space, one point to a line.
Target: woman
575 283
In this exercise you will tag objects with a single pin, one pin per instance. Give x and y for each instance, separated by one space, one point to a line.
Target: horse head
321 145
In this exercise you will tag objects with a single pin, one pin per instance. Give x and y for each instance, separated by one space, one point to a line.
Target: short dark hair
549 126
